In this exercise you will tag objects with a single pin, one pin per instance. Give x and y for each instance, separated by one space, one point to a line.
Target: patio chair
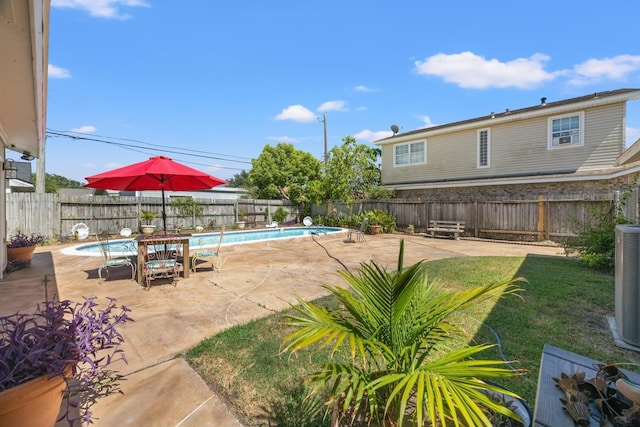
161 258
115 255
204 253
359 232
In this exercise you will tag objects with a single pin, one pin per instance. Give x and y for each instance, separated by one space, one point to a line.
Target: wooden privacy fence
51 215
533 220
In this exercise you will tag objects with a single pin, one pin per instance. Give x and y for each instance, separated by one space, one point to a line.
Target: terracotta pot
35 403
375 229
24 253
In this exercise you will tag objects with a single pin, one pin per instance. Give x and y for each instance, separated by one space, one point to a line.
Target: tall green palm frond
398 327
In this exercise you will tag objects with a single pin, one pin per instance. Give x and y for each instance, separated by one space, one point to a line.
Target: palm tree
400 330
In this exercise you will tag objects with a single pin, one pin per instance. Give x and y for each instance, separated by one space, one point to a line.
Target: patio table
143 242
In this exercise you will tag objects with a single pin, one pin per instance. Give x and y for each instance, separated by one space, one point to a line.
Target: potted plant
242 218
410 229
20 247
63 347
405 366
375 229
147 217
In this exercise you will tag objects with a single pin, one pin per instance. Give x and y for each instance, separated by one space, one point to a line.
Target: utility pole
326 154
326 157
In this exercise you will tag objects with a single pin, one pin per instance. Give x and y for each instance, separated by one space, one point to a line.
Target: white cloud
469 70
84 129
214 168
632 135
617 68
370 136
287 139
427 121
332 106
101 8
58 72
297 113
363 88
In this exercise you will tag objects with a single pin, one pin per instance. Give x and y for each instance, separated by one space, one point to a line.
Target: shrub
280 215
595 243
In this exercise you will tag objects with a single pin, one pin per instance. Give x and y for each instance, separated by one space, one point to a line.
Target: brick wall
584 190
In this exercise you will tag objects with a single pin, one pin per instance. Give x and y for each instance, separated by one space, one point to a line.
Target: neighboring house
75 192
565 149
20 180
222 192
24 51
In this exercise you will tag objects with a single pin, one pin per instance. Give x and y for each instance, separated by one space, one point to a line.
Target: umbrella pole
164 213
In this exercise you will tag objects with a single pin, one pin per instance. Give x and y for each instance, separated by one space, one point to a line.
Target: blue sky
210 83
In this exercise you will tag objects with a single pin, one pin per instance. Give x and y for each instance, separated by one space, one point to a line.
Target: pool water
202 240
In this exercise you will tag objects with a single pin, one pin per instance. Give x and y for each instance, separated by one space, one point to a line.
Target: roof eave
508 116
23 75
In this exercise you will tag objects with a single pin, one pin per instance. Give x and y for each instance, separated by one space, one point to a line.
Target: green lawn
564 304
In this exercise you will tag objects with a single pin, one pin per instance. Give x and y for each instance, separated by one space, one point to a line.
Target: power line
155 147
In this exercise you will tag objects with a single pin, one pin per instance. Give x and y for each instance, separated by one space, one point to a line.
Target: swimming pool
202 240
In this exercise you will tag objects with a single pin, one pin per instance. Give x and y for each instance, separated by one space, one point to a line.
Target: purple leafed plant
61 336
22 240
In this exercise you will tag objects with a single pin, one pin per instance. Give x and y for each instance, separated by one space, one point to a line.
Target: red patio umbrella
157 173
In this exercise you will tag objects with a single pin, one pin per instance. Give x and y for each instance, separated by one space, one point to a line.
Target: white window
409 154
566 131
484 144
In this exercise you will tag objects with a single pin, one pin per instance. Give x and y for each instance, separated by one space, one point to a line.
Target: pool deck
255 280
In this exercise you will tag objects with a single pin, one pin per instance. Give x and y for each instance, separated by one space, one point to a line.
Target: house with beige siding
571 148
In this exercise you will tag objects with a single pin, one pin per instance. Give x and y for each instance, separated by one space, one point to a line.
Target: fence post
541 217
547 224
475 219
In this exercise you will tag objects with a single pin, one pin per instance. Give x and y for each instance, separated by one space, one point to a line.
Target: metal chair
161 259
359 232
115 254
208 254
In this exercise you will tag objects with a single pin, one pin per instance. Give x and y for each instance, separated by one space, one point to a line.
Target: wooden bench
438 226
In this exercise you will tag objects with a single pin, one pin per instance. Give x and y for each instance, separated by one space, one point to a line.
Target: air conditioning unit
560 140
627 283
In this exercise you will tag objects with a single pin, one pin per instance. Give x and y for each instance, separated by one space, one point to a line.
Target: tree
352 171
399 327
240 180
53 182
187 208
282 172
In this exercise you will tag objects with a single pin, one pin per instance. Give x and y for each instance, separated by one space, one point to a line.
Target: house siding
517 147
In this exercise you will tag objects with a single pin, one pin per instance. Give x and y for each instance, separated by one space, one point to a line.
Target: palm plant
400 330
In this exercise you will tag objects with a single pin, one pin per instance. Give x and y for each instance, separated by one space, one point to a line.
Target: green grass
564 304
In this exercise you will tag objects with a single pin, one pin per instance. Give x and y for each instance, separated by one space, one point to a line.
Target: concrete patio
255 280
